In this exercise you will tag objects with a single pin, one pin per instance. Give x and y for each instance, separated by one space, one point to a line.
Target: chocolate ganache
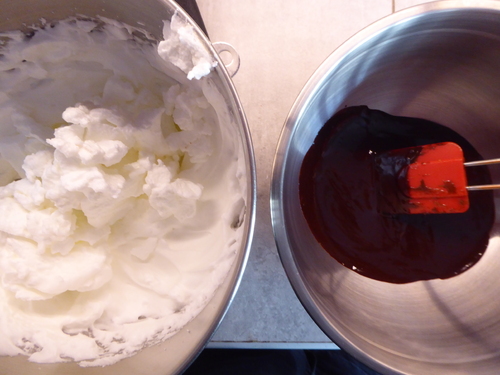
339 188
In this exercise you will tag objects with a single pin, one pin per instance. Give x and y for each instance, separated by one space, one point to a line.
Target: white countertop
280 44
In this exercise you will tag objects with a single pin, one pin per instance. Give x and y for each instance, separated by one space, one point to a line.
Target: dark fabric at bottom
276 362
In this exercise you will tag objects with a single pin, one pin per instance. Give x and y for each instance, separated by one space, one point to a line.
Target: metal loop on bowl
228 56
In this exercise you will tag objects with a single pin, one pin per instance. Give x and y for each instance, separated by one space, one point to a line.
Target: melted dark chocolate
340 191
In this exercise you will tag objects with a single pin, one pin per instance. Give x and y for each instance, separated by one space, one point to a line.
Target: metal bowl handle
231 62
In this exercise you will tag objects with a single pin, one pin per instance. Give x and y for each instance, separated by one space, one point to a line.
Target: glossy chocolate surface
340 194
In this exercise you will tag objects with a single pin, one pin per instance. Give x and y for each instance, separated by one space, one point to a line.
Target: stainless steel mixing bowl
439 61
176 353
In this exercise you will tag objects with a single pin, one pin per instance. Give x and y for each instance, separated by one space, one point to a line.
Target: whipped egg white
121 190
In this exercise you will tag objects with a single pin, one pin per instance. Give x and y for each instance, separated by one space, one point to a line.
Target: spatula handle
481 162
483 187
478 163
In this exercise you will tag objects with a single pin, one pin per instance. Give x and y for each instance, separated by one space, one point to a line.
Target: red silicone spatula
426 179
